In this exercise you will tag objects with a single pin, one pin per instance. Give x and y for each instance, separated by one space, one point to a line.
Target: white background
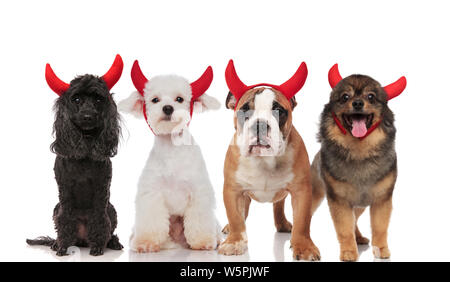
268 41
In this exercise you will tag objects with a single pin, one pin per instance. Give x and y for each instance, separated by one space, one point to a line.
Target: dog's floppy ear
133 105
293 102
230 102
206 102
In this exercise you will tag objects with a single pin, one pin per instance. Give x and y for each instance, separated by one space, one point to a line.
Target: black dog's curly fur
87 134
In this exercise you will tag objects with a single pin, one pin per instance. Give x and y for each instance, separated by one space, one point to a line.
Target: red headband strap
288 89
392 90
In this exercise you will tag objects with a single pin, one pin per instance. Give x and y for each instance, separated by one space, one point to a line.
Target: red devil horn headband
138 78
202 84
198 87
110 78
288 89
114 73
392 90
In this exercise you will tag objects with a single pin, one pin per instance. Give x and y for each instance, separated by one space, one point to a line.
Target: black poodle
87 134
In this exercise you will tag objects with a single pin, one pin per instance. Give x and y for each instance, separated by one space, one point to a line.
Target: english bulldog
266 161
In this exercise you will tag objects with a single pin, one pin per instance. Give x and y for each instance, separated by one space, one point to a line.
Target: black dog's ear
230 102
293 102
105 145
68 138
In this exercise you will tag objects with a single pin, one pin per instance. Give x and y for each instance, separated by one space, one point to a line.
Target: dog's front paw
349 255
205 242
305 250
233 247
96 251
381 253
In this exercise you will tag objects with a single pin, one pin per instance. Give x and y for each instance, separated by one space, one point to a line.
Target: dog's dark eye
344 98
179 100
245 107
99 99
371 98
279 109
282 112
155 100
76 99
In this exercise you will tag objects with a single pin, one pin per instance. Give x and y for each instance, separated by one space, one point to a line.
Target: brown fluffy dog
357 164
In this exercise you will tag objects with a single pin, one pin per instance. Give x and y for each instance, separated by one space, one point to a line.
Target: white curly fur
174 181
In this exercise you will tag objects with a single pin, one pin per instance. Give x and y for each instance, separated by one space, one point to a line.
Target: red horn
202 84
295 83
236 86
334 76
394 89
56 84
114 73
138 78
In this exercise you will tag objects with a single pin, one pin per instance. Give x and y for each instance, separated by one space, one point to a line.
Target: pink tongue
359 128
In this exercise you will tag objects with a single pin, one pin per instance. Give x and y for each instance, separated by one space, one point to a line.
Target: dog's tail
43 241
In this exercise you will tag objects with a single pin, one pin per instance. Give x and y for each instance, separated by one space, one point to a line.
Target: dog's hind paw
114 244
204 243
61 252
146 247
361 240
284 226
226 229
54 247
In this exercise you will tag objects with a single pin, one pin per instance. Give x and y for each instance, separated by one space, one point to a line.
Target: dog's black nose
168 110
260 128
358 104
88 117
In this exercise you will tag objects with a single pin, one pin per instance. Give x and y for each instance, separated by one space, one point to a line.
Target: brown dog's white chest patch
265 178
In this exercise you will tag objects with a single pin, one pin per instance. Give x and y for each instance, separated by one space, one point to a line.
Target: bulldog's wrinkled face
167 100
263 120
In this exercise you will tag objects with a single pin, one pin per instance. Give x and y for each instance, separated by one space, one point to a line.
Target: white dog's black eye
345 97
76 99
155 100
179 100
371 98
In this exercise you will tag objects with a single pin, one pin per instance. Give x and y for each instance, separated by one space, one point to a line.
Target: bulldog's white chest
265 178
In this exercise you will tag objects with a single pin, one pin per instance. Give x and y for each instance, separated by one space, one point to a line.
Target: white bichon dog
175 200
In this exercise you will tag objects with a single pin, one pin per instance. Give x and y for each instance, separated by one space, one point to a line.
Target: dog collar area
344 131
